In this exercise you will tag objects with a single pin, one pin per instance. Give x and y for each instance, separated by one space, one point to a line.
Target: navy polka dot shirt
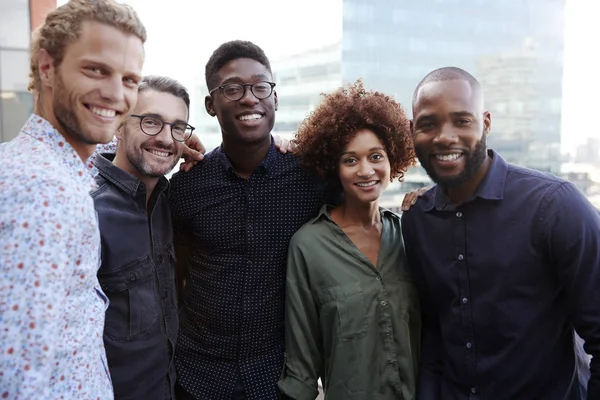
232 318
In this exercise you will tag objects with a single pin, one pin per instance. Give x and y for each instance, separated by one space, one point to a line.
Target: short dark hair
230 51
165 85
447 74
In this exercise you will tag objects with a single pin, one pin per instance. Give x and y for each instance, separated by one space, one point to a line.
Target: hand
284 145
193 152
411 198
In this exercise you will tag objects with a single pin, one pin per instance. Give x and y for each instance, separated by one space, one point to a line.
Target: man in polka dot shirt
235 213
86 61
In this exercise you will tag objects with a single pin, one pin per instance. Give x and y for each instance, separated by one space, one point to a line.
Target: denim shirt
137 275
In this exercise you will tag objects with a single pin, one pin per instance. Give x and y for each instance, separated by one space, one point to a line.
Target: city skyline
318 23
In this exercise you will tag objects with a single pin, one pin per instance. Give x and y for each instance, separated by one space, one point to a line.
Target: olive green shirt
354 325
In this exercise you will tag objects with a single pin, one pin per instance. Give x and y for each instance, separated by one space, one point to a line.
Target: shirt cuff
297 389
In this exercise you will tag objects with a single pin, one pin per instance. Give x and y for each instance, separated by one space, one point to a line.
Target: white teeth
103 112
251 117
366 184
448 157
159 153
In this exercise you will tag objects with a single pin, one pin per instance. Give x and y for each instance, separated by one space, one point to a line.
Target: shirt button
473 390
469 345
378 277
384 303
132 277
459 214
465 300
461 257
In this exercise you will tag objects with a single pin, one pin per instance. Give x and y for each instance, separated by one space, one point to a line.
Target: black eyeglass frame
243 92
154 117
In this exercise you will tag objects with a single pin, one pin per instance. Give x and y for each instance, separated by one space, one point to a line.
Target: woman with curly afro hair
352 312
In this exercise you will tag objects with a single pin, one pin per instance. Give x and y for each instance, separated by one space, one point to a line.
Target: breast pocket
133 309
343 309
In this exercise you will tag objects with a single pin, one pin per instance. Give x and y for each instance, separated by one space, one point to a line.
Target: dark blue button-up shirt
137 275
232 317
504 278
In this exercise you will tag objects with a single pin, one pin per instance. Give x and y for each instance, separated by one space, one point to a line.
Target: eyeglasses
235 91
152 126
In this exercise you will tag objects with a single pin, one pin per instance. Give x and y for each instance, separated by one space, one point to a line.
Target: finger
277 141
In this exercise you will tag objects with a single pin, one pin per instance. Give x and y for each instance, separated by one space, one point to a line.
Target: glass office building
17 17
514 47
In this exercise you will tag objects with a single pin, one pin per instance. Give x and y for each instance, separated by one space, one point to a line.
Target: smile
103 112
448 157
250 117
366 184
159 153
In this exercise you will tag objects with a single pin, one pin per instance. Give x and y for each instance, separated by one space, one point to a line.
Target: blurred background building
17 19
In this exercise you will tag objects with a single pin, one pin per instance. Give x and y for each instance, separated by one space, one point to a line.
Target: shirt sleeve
34 264
303 364
571 233
431 362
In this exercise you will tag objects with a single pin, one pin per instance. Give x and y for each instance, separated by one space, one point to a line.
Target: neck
245 157
459 194
45 110
149 181
358 213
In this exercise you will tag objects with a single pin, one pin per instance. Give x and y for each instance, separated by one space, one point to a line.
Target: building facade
514 48
17 19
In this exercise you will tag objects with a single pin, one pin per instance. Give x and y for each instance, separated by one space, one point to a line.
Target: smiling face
364 168
248 120
93 90
449 131
151 156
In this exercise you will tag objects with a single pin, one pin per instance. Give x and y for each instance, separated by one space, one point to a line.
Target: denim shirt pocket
133 311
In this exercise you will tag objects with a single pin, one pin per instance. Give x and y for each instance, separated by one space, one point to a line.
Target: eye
262 87
377 157
150 122
464 121
349 161
95 70
232 90
131 81
179 128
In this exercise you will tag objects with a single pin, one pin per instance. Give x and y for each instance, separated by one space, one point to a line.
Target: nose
447 136
248 99
365 170
112 90
164 137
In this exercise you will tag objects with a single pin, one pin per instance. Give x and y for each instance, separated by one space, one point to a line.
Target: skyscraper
514 48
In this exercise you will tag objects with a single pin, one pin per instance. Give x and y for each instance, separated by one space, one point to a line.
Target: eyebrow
157 115
237 79
371 149
428 117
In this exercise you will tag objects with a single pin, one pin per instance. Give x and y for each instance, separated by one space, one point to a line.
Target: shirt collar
265 165
40 129
490 188
325 211
123 179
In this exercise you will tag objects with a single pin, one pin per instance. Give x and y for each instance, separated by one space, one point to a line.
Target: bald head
448 74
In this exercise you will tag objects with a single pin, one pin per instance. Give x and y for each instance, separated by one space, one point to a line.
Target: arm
34 264
571 233
302 332
431 363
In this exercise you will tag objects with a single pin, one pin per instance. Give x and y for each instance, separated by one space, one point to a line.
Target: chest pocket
133 309
344 312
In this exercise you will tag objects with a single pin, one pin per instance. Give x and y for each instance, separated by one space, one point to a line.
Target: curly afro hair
325 133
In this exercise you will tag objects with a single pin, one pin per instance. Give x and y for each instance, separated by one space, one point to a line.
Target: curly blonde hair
323 136
63 26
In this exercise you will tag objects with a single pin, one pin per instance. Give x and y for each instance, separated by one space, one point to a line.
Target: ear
487 122
209 105
411 127
46 68
276 100
120 132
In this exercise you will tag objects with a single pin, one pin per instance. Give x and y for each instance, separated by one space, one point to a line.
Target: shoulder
311 233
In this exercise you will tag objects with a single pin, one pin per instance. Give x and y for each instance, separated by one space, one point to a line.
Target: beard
65 114
137 158
473 160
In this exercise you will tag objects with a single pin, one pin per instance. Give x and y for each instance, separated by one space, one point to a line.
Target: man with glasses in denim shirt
137 272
